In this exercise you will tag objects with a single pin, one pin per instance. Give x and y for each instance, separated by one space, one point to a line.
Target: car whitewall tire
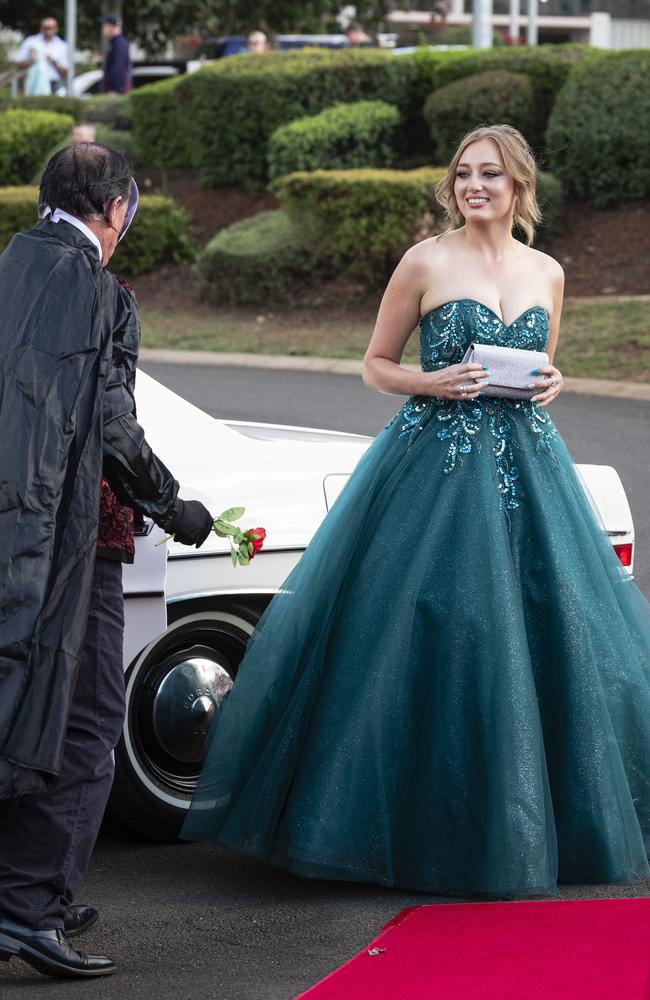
172 690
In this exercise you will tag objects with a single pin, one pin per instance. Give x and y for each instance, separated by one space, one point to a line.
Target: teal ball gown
451 691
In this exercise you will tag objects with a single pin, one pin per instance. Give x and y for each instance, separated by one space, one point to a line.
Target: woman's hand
455 382
551 384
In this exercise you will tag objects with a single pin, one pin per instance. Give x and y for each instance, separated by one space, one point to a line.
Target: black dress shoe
49 952
78 918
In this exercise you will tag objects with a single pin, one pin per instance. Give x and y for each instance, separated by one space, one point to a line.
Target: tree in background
153 23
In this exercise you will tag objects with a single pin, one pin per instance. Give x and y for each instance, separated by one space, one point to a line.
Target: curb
346 366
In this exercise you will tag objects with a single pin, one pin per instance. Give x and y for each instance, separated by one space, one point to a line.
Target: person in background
357 37
117 62
49 46
258 42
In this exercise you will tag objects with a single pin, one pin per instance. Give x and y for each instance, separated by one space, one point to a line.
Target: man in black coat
75 469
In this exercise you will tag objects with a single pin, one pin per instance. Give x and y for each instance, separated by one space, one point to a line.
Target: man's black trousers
46 840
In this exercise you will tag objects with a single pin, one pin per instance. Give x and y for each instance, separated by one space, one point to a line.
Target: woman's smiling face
484 190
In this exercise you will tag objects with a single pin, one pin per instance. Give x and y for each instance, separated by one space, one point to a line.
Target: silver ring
463 390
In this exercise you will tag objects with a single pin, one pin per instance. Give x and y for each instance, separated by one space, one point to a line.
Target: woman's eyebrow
489 163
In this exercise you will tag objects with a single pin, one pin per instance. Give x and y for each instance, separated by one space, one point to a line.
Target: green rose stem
241 544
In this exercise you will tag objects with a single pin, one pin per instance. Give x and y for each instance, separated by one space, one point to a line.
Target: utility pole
71 39
531 32
482 24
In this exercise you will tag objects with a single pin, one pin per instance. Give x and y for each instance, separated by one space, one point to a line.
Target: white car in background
189 613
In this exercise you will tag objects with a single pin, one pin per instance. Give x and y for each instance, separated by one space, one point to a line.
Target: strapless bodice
447 331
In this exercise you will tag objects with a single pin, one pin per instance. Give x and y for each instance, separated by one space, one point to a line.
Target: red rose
257 536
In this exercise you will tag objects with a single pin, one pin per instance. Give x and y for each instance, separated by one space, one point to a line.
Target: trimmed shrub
108 109
73 106
221 117
597 135
161 114
548 67
259 258
121 140
25 138
18 211
159 233
454 110
348 135
360 220
550 196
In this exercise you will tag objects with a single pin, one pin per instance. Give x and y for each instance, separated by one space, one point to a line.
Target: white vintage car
189 613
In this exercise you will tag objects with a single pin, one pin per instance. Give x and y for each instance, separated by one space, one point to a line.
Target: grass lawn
604 338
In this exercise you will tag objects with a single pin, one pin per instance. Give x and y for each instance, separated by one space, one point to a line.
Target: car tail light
624 553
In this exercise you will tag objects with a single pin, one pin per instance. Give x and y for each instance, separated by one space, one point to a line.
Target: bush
259 258
25 138
348 135
108 109
598 132
161 114
73 106
159 233
18 211
221 117
360 220
122 141
547 66
550 196
482 99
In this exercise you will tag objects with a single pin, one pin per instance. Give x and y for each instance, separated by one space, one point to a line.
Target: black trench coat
68 346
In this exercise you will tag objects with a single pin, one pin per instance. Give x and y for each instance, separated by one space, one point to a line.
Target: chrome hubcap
184 706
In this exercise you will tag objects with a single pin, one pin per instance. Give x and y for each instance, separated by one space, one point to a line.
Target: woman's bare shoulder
550 266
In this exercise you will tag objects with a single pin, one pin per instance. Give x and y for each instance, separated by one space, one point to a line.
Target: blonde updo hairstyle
519 163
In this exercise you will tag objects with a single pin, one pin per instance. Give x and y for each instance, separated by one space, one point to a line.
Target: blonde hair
519 163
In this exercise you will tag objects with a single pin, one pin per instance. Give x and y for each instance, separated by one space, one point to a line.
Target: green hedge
482 99
159 233
25 138
18 211
360 220
220 119
361 134
548 67
550 196
121 140
260 258
108 109
73 106
161 115
598 133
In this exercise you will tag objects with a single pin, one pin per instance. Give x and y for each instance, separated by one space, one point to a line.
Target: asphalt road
202 923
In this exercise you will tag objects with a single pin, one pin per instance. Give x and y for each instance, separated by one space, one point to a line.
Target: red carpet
565 950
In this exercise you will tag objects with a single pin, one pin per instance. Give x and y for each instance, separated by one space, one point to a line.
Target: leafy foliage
597 135
221 118
548 67
159 233
348 135
360 220
108 109
481 99
25 138
257 259
73 106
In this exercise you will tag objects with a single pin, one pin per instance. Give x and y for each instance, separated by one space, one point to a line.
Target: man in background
117 63
55 49
258 42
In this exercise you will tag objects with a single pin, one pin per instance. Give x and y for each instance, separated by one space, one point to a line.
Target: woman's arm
398 316
552 382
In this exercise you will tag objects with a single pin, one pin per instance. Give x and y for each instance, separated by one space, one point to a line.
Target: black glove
191 522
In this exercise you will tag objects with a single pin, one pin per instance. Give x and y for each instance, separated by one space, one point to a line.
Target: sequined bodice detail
445 335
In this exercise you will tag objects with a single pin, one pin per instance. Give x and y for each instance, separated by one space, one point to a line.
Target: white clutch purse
510 369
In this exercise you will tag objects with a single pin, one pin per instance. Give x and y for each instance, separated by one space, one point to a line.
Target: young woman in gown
451 691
